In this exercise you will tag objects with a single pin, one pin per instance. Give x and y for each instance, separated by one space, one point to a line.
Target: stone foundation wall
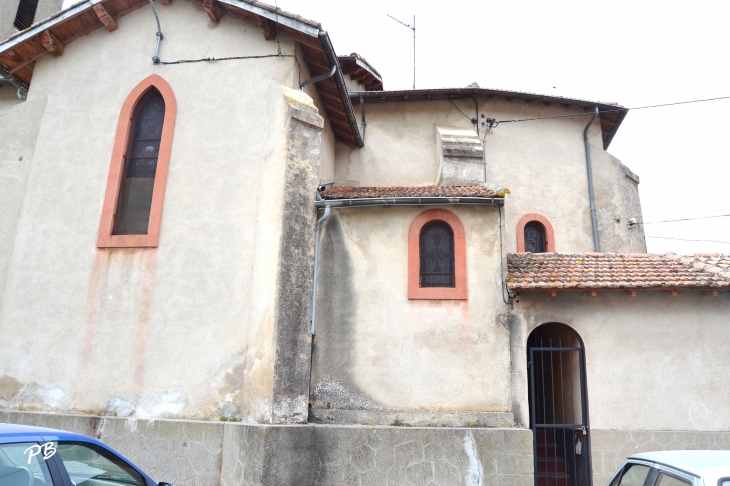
188 453
610 448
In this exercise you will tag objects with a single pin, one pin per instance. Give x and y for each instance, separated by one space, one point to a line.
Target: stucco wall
377 351
19 128
654 361
541 162
186 329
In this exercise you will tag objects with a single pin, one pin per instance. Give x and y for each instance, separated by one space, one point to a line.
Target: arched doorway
558 406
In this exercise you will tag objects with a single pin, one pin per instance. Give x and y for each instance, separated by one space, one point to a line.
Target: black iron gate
558 415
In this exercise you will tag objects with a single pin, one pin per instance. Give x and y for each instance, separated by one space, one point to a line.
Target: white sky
634 52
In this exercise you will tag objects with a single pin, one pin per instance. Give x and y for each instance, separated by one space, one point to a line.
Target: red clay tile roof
586 271
356 192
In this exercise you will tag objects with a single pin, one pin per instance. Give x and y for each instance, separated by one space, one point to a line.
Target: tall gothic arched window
135 187
437 255
535 238
140 166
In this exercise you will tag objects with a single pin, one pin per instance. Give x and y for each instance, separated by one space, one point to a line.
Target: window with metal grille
26 14
535 241
437 255
140 166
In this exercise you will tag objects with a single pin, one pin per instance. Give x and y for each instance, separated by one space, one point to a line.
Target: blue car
36 456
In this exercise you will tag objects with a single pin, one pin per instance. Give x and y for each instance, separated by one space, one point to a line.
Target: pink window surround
415 291
549 233
116 171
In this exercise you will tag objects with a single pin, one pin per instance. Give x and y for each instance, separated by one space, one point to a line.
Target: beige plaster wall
185 329
654 362
376 350
19 128
541 162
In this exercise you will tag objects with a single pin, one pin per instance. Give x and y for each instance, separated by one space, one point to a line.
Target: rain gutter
591 194
409 201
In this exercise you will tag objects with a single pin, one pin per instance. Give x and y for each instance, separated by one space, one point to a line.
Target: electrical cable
465 115
686 219
612 110
214 59
683 239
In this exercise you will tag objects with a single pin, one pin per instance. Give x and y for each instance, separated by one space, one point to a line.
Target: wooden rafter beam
105 17
361 76
166 2
713 293
266 27
51 43
213 9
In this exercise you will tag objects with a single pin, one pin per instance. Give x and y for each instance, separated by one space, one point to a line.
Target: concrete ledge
190 453
412 418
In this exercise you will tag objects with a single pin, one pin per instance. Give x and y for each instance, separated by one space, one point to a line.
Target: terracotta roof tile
357 192
575 271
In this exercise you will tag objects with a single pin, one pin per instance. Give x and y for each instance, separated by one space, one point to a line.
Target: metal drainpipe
326 75
7 78
316 264
362 112
591 196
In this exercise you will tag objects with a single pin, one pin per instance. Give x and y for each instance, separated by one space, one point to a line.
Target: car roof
693 462
9 432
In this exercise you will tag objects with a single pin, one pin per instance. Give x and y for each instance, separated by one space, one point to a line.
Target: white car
675 468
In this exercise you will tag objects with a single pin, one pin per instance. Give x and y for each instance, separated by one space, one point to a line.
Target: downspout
591 195
6 77
316 264
319 78
362 113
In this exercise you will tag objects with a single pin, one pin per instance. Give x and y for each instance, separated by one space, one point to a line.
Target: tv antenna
413 28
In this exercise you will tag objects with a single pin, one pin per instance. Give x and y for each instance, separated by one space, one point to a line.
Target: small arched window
535 241
140 166
436 255
535 234
135 188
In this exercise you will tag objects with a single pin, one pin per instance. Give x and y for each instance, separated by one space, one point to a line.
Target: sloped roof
616 271
352 192
361 71
19 53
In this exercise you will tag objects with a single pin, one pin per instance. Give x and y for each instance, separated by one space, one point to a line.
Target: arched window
535 234
135 189
140 166
437 255
535 241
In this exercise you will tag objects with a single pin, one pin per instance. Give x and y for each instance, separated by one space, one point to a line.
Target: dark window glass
437 255
535 237
91 465
25 14
140 165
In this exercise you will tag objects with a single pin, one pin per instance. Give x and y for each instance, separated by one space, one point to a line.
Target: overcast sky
634 52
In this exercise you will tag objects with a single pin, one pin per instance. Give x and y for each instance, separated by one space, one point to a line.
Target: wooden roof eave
307 33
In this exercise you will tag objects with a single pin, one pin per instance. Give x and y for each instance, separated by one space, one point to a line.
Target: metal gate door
558 416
